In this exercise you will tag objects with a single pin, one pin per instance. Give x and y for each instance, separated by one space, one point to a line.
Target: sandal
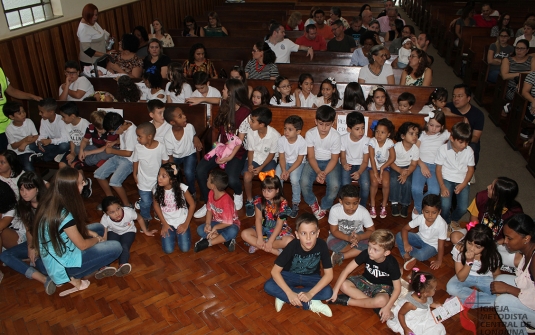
83 285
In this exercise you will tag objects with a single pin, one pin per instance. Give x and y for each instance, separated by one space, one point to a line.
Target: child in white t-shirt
151 87
75 88
177 89
20 133
282 94
156 108
201 80
76 127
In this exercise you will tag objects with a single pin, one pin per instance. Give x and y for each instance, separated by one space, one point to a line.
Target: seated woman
377 72
417 72
126 61
191 29
512 66
466 20
360 55
197 62
503 23
141 34
161 35
262 66
395 30
156 61
295 22
214 27
497 52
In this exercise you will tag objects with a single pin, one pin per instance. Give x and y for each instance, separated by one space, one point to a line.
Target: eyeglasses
413 56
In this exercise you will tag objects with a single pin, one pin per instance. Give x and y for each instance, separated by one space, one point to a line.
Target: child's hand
425 171
322 174
405 173
294 299
408 247
285 175
260 242
402 179
197 143
182 229
355 175
268 246
31 138
256 171
385 314
376 176
46 141
213 234
81 156
304 296
70 158
459 188
436 264
150 232
224 160
207 229
165 230
109 150
347 167
469 255
319 179
297 92
381 176
334 297
444 192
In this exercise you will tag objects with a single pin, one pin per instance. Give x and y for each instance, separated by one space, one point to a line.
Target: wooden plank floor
213 291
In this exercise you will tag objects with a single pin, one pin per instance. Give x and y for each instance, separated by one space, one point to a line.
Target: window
22 13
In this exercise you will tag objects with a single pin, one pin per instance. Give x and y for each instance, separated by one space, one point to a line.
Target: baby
404 53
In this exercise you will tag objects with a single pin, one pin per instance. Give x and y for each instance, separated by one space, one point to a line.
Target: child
382 155
437 101
407 156
177 89
118 222
95 153
380 285
404 53
405 102
151 87
156 109
454 168
282 93
354 97
182 144
433 136
76 127
222 223
354 155
378 100
11 170
201 80
174 205
260 96
20 133
429 241
148 157
75 87
304 90
350 226
328 94
296 277
412 314
128 91
262 145
323 151
270 232
292 151
53 140
120 165
12 230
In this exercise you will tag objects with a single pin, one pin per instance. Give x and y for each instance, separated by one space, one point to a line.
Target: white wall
71 9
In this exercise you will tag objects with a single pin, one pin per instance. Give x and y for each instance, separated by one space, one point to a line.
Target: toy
224 150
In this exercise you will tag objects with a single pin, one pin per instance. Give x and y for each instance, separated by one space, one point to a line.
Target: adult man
284 47
311 39
367 17
388 4
484 19
323 29
356 29
341 42
422 42
387 21
336 14
407 32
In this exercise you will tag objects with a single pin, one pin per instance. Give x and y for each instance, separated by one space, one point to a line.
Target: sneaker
123 270
87 191
373 212
317 306
455 225
50 286
58 158
337 258
252 249
105 271
409 264
404 211
382 214
231 245
137 204
316 209
34 158
238 201
278 304
395 210
341 299
524 133
295 210
473 179
201 245
506 108
156 217
249 209
200 213
99 207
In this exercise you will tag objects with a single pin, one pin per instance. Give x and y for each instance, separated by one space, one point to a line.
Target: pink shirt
222 209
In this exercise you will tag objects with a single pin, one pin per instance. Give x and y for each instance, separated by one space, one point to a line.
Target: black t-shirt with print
296 260
379 273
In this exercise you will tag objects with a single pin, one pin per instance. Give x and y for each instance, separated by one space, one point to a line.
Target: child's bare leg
280 244
248 185
39 277
359 299
386 187
249 235
105 186
217 240
351 253
76 282
373 191
122 195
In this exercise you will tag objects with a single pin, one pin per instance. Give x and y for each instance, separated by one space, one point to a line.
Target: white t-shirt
182 148
147 95
456 254
454 164
292 150
283 50
262 147
323 147
16 224
320 101
12 182
128 140
369 78
161 131
429 145
82 83
431 235
273 102
403 55
372 108
307 102
77 132
381 153
212 93
523 37
16 134
355 151
55 130
405 157
126 225
173 215
150 161
181 98
426 109
350 223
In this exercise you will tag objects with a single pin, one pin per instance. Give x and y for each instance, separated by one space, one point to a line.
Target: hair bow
374 125
263 175
471 225
372 89
274 87
422 278
415 269
175 171
406 40
331 79
429 116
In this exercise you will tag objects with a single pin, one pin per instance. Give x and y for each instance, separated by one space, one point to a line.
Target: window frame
18 9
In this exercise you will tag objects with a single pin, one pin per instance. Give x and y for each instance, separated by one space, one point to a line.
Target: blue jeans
13 257
514 314
126 241
493 76
462 290
228 233
233 169
400 193
298 283
118 167
420 250
92 160
51 150
308 176
364 182
183 240
418 183
189 164
145 204
295 177
462 202
24 160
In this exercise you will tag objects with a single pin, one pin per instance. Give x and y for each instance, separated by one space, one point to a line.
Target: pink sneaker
320 214
373 213
382 214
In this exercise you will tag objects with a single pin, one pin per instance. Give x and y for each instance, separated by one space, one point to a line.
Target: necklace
259 69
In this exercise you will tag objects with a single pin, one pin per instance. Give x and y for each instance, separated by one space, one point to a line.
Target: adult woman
377 72
497 52
214 27
516 304
512 66
336 14
310 19
529 28
161 35
503 23
198 62
68 248
191 29
156 61
295 22
466 20
126 61
395 31
141 34
262 66
375 26
360 56
417 72
92 37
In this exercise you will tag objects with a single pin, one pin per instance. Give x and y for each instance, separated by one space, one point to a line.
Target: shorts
371 290
267 232
337 245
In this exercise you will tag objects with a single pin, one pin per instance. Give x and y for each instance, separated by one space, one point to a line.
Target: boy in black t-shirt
296 277
380 285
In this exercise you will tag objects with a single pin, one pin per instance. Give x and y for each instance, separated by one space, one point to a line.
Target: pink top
525 284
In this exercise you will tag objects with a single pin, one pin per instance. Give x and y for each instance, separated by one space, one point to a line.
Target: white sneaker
238 201
58 158
278 304
317 306
200 213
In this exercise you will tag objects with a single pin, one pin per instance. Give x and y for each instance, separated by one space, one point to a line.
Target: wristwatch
469 263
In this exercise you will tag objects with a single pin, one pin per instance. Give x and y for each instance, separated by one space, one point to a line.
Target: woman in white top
377 72
91 36
160 34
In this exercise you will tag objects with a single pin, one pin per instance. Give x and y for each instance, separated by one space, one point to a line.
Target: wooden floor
213 291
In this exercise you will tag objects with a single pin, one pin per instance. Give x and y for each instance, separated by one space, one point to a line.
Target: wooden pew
464 45
498 101
516 117
476 54
216 42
